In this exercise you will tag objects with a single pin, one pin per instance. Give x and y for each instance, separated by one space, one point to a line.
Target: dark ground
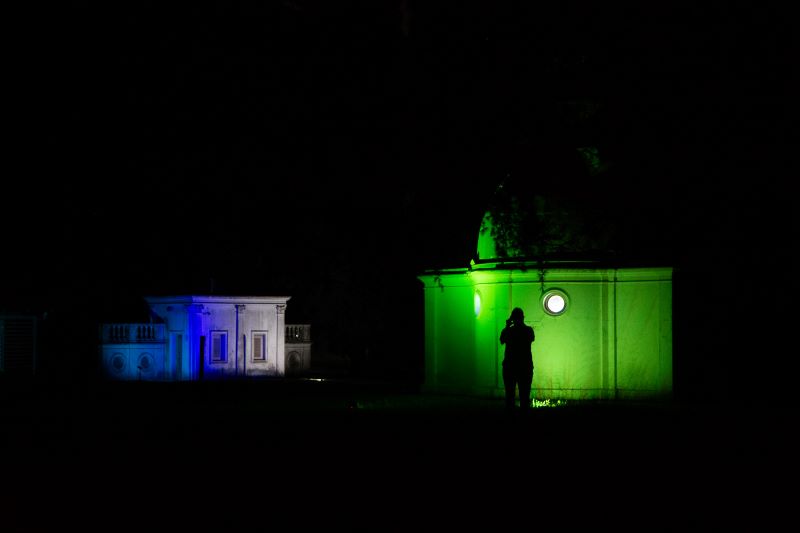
370 456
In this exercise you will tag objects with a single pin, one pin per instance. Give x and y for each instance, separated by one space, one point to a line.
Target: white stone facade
298 348
199 338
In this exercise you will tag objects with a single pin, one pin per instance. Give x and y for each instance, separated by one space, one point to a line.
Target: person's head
517 316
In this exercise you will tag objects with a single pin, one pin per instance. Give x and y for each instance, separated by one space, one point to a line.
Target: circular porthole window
145 362
118 362
555 302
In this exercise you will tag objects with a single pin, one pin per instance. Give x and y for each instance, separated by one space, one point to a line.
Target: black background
331 151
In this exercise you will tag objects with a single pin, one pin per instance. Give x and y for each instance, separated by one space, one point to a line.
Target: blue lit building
204 338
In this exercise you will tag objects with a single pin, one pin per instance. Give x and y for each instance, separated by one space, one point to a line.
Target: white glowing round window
555 302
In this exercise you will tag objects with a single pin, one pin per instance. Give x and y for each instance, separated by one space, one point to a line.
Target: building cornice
207 299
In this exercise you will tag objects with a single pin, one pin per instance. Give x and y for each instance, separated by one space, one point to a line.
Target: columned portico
201 338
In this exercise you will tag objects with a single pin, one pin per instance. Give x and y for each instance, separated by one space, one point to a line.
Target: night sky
331 151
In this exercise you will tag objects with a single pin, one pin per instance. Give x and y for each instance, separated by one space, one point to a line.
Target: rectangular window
259 350
219 346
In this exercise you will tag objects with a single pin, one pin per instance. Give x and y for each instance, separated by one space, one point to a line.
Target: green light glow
591 156
612 338
548 403
486 246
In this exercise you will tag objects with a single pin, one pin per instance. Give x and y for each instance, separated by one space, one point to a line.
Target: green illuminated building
603 331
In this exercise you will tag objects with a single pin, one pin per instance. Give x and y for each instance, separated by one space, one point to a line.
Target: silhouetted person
518 359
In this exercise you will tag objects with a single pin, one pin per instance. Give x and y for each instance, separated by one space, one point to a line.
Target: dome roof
541 227
486 245
547 205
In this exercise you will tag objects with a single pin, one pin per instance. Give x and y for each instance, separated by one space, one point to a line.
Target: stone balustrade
296 333
132 333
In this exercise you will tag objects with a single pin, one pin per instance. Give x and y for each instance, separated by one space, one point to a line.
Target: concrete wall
298 358
130 362
237 320
613 341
